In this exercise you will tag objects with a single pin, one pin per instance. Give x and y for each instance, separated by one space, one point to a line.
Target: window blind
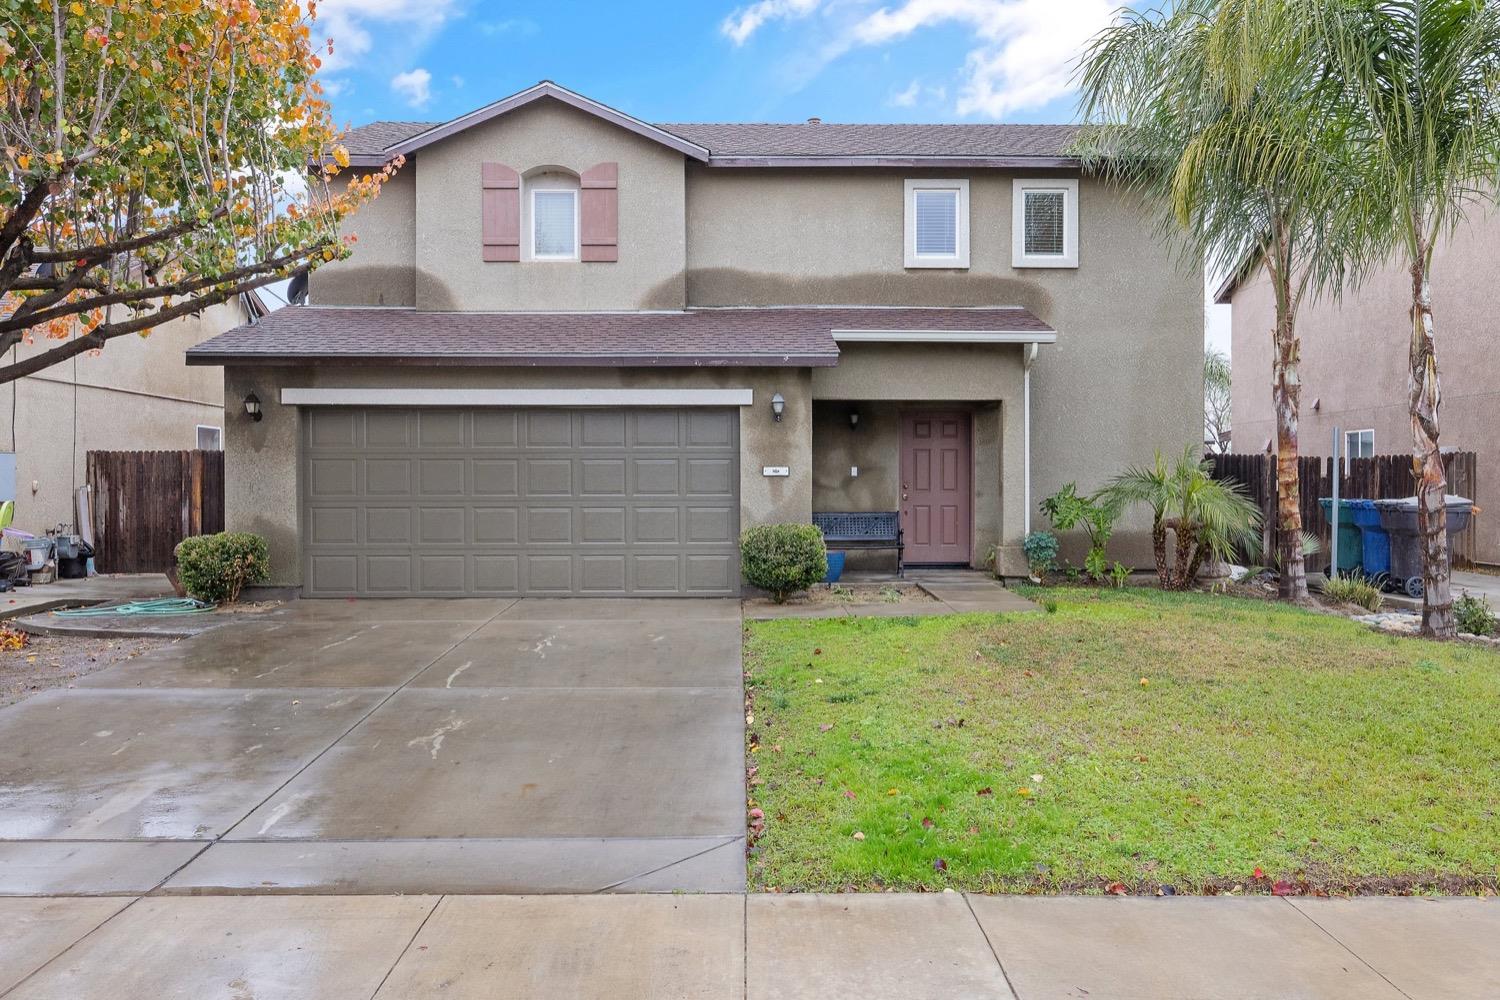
936 223
1044 223
554 223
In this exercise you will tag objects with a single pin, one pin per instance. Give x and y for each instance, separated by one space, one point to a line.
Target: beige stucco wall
380 270
449 272
136 394
1354 364
261 467
1125 376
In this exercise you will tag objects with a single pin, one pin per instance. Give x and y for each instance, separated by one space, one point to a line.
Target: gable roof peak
557 92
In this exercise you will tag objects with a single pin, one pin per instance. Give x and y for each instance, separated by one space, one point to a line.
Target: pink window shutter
599 213
501 212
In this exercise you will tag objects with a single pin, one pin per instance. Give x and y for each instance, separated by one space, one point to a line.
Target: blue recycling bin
1374 542
1350 545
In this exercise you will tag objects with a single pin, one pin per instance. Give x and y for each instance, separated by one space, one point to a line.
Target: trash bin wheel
1384 582
1414 587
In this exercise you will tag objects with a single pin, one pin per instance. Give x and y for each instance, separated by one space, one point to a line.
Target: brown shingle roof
825 139
697 337
376 137
828 139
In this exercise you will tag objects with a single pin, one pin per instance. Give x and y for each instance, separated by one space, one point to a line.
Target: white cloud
1025 56
414 85
906 98
745 21
510 26
350 22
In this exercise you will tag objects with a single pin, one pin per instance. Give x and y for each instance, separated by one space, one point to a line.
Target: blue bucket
835 567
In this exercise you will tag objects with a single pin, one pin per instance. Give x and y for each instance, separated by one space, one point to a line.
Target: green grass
1326 754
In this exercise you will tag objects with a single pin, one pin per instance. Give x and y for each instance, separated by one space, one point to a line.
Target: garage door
490 501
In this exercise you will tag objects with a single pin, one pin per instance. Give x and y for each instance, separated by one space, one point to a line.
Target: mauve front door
935 495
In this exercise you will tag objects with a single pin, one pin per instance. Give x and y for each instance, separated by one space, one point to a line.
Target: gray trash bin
1399 519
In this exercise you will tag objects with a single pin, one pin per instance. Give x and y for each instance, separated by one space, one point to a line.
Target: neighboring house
1354 365
576 353
134 395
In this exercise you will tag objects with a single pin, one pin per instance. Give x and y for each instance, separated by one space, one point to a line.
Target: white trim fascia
943 337
1018 255
516 397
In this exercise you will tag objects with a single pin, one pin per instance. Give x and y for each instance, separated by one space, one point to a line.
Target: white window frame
1356 434
1018 255
552 257
961 243
198 436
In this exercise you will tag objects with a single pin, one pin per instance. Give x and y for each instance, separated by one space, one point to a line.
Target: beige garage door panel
400 502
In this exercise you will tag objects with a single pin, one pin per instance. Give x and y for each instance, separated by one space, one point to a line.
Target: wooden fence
145 502
1382 477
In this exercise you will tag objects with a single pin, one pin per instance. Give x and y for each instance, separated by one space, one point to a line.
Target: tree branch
21 216
33 318
101 335
103 250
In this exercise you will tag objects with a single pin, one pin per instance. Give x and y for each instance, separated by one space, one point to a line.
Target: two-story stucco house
576 353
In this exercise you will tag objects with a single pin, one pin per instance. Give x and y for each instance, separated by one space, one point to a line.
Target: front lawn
1126 741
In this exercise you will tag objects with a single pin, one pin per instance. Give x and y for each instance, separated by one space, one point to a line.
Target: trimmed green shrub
1474 616
783 558
1041 552
215 568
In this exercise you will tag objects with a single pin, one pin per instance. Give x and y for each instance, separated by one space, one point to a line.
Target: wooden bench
844 530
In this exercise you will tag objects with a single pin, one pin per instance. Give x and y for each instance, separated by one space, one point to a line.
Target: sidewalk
763 947
91 590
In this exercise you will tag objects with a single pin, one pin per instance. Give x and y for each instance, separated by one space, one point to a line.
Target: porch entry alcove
935 428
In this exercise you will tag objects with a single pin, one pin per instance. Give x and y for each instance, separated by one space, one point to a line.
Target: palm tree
1422 98
1213 111
1207 516
1217 396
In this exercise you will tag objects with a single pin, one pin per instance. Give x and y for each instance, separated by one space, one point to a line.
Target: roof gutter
1032 337
1006 162
197 357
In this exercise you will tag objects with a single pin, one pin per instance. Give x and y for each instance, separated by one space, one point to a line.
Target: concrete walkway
92 590
873 947
951 592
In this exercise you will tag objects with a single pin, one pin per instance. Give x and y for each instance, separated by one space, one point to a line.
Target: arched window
549 214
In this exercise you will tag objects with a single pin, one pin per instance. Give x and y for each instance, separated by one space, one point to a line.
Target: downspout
1029 358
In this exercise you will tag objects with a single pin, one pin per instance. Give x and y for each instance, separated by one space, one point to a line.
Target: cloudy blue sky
716 60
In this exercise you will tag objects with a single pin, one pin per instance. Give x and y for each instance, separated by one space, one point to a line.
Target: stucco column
261 470
1010 558
765 441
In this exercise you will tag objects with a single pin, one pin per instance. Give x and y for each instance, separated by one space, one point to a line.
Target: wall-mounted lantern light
778 406
252 406
854 420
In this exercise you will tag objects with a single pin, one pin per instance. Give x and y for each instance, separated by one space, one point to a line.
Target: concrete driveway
393 746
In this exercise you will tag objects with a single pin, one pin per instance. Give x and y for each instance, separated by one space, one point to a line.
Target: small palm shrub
783 558
1474 615
1353 590
1207 516
215 568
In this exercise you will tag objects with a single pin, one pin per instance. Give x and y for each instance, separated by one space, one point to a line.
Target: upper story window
937 223
552 216
1358 444
1044 223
